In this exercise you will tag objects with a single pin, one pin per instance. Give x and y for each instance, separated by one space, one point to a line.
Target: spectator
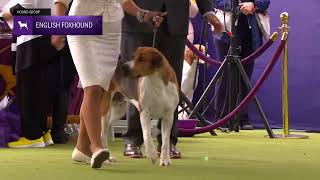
250 39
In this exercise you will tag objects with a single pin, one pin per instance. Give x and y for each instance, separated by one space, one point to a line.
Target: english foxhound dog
155 93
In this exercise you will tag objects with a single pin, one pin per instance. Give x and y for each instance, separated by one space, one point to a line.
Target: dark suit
170 40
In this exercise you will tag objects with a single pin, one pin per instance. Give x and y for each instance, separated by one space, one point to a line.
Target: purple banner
57 25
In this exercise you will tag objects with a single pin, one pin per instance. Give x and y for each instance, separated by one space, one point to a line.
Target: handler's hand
247 8
58 42
214 21
155 17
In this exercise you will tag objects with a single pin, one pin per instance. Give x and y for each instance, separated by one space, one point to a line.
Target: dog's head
146 61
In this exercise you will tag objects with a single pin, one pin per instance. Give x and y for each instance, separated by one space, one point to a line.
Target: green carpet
246 155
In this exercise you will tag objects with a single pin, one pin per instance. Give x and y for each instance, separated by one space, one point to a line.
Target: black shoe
132 151
247 127
59 137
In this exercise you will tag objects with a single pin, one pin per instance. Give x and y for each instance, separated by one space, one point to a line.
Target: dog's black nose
125 68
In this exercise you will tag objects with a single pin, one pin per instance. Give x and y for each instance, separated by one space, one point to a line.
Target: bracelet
141 14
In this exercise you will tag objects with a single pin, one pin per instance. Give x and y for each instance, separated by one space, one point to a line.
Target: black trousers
173 49
60 76
32 100
222 48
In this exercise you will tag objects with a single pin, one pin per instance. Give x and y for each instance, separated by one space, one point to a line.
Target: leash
154 36
4 49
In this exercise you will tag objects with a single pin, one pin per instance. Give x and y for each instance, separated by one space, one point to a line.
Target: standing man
33 52
249 38
170 40
60 75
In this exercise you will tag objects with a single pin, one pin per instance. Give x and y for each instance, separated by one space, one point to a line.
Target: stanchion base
290 136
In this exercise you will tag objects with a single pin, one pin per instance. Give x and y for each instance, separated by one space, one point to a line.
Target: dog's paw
112 159
109 161
152 156
165 162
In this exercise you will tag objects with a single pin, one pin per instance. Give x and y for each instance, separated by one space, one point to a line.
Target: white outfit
193 11
187 83
188 74
189 71
188 78
96 56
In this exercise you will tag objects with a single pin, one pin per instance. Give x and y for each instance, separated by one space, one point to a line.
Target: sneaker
47 139
26 143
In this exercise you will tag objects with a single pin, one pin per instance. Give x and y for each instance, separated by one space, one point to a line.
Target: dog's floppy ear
139 49
156 59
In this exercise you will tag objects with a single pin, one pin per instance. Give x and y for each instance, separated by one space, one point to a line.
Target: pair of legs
173 49
32 59
89 138
95 58
32 100
60 75
222 48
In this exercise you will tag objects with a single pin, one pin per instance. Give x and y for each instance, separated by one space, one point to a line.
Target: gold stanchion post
285 104
285 101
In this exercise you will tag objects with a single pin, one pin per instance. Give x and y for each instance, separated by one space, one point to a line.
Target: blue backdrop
304 67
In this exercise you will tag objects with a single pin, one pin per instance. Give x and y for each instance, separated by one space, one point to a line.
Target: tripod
233 66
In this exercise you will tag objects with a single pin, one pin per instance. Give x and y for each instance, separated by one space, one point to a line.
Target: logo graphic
23 25
57 25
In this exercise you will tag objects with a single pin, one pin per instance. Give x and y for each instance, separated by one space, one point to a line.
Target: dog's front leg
105 120
118 109
166 125
106 125
146 130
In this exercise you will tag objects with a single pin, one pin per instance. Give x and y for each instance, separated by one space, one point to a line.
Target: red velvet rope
246 60
5 48
245 101
257 53
201 55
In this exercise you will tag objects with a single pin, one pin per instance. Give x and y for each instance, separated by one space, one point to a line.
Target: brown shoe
174 153
132 151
